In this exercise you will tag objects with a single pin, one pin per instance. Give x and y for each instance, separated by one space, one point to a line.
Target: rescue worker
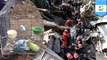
76 5
80 49
65 37
69 22
69 56
63 9
69 10
80 27
77 15
79 39
68 53
76 56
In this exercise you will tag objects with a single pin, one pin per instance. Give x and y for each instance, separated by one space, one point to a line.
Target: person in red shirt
69 22
65 38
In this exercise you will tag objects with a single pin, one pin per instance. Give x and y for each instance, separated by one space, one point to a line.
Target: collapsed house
101 33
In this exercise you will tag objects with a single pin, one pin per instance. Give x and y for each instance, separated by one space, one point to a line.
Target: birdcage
21 16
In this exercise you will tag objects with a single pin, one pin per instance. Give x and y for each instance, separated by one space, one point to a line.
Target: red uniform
65 37
69 22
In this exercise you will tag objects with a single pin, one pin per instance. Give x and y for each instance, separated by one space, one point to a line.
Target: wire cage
4 24
15 15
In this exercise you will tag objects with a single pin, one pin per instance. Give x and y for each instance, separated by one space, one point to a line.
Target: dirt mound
25 13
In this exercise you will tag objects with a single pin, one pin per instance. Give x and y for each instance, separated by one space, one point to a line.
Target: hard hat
69 56
76 55
79 37
66 30
80 45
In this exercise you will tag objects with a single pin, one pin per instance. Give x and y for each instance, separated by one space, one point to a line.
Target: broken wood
55 8
56 11
52 24
47 14
41 9
44 16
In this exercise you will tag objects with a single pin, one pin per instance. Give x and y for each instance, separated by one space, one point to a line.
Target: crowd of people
72 47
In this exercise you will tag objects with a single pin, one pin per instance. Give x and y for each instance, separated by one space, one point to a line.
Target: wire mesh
14 14
4 21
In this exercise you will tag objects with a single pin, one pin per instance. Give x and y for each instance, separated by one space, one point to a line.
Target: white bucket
12 34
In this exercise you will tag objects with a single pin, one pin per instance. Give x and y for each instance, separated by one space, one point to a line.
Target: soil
24 13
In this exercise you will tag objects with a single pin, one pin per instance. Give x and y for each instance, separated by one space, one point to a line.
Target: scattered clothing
22 44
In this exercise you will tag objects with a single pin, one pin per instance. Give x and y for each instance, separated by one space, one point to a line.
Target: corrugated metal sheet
47 54
103 30
50 55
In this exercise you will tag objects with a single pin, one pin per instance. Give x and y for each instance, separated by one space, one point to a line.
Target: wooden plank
41 9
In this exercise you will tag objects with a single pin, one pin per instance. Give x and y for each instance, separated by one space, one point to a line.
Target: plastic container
33 47
37 30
